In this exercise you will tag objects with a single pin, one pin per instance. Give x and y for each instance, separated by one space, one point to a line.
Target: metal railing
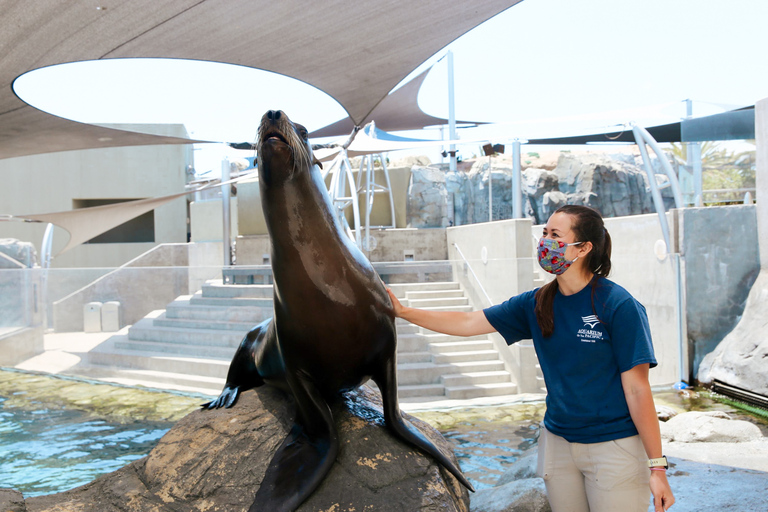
469 266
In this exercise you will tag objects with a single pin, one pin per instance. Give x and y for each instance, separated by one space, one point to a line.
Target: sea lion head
283 148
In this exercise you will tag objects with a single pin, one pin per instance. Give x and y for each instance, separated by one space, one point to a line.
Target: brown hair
587 226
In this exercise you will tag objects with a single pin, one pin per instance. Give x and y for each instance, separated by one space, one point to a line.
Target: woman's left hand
662 492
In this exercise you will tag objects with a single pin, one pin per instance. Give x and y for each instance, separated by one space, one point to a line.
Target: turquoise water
46 451
486 450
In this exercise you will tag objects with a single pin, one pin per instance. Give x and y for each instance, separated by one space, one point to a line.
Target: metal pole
46 249
517 193
226 173
694 161
655 194
490 190
451 112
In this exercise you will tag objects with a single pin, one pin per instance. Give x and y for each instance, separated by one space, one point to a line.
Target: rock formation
215 460
740 359
614 184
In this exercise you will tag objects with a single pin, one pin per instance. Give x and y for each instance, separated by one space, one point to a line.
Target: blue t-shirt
583 360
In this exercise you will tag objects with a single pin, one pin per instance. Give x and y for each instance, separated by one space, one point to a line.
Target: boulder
23 252
519 489
710 427
427 199
613 187
11 501
542 194
739 360
528 495
214 461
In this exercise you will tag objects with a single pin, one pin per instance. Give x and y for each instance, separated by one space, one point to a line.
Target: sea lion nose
274 115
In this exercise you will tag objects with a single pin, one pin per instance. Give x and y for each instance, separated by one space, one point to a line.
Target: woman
600 445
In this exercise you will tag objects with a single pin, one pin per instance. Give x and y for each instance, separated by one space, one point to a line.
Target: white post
694 161
451 112
517 193
490 190
226 173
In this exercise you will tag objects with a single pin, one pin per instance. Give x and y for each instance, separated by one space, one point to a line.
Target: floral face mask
552 255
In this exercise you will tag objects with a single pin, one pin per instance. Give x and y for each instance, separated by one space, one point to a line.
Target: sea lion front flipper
306 455
243 373
387 383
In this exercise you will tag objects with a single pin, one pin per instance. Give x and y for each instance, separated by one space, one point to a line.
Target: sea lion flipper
387 383
306 455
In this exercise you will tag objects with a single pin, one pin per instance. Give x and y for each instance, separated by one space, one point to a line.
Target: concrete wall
721 264
146 284
207 223
50 182
496 258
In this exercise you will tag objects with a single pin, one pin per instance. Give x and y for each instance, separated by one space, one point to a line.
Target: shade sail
86 223
731 125
396 112
370 141
354 51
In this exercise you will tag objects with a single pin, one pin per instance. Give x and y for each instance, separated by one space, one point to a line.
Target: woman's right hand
397 308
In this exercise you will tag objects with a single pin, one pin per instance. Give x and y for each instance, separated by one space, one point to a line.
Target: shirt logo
588 334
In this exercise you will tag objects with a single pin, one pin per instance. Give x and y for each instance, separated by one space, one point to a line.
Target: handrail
469 266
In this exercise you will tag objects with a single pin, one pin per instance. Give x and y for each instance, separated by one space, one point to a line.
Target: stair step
218 290
414 357
464 356
434 294
419 390
496 389
185 310
216 325
107 355
447 347
143 330
400 289
431 373
200 300
447 302
212 352
474 378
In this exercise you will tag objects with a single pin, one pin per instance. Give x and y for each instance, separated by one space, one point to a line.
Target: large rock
23 252
614 187
542 194
214 461
709 427
427 199
518 490
740 359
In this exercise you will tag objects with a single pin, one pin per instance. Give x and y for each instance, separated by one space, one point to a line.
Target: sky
543 68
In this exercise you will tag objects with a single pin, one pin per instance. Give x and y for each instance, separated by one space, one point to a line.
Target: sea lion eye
304 134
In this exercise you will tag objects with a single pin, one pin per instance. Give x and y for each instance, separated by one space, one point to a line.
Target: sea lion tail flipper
306 455
387 384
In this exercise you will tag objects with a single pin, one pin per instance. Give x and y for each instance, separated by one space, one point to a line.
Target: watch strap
660 462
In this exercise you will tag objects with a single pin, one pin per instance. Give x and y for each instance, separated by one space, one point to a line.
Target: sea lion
333 326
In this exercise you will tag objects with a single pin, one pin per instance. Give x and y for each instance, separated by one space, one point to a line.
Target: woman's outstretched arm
456 323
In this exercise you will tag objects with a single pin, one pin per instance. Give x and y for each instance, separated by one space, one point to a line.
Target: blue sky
543 68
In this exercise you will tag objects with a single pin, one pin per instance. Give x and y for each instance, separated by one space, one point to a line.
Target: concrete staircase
189 345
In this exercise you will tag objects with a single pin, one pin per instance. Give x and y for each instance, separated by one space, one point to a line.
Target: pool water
486 451
44 451
50 450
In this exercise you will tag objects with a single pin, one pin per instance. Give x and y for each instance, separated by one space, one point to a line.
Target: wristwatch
661 462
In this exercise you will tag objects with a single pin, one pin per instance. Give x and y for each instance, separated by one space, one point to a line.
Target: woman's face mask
552 255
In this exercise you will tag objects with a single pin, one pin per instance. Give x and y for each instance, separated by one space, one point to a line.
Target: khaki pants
602 477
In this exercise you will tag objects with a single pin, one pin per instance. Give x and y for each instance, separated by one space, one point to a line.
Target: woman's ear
585 249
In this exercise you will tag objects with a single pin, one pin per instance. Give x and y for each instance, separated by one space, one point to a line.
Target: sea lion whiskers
285 130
